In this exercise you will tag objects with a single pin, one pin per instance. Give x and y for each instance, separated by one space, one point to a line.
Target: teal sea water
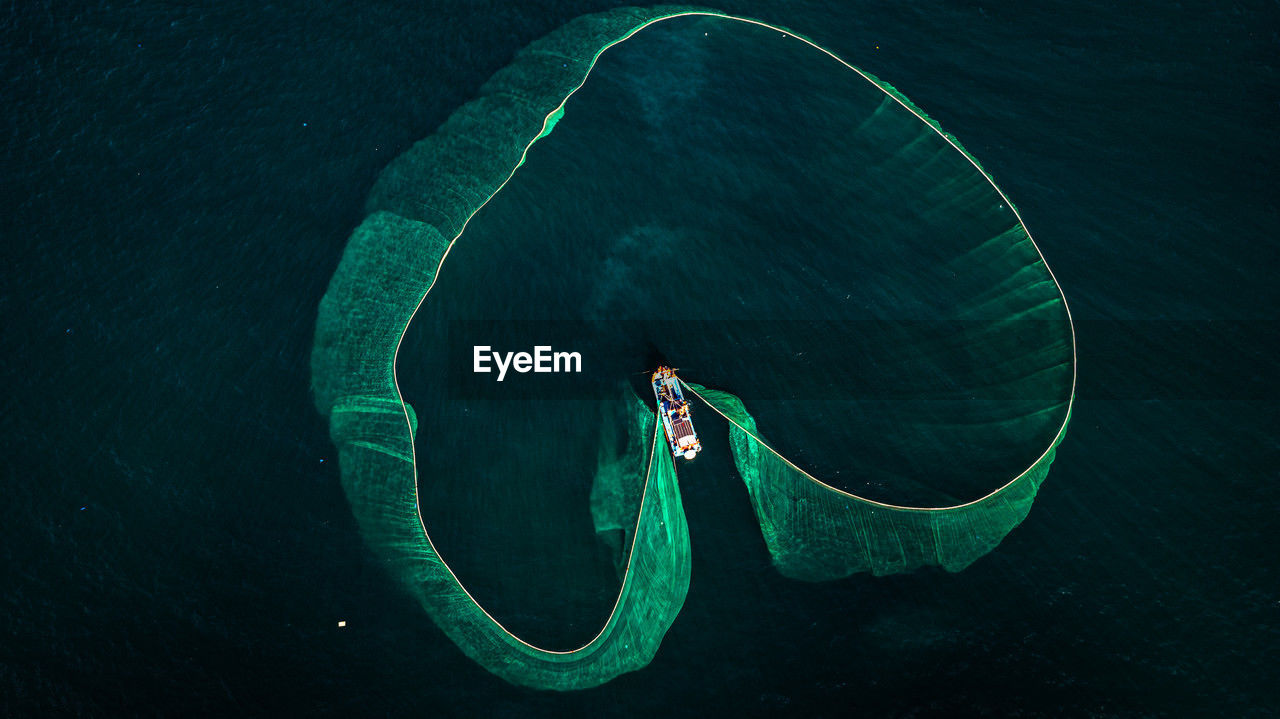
180 184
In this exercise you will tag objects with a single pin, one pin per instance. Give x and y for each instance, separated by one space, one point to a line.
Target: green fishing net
731 192
815 531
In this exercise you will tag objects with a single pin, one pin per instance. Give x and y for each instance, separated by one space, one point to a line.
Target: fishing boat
674 411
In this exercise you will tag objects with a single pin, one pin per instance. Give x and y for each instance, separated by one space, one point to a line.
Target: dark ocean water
178 188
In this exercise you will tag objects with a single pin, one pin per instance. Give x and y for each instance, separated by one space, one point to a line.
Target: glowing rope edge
627 572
